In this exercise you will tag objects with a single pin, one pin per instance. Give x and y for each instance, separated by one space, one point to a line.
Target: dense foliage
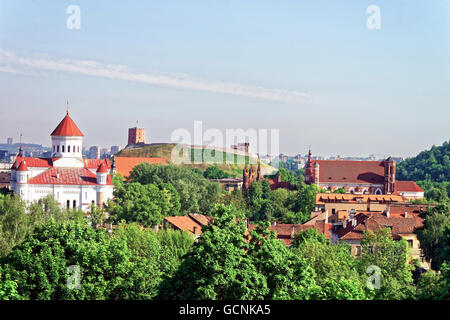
431 165
196 193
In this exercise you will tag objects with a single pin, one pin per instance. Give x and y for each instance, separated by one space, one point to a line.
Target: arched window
68 203
57 148
351 190
365 191
378 191
62 148
68 148
74 149
74 203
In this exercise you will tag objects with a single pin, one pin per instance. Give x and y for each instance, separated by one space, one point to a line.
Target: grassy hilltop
231 163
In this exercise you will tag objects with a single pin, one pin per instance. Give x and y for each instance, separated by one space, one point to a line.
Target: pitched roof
67 127
286 231
406 186
201 219
184 223
67 176
22 166
102 168
344 171
124 165
95 163
356 198
371 221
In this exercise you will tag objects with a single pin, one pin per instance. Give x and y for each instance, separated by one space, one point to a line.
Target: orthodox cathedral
73 181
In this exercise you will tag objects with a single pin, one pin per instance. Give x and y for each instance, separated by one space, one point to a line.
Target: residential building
401 226
229 184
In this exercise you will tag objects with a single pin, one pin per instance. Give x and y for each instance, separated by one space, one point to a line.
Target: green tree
431 236
40 264
196 193
335 268
288 276
213 172
380 250
17 220
145 204
218 266
146 258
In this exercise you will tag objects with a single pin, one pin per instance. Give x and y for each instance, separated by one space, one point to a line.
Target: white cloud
11 63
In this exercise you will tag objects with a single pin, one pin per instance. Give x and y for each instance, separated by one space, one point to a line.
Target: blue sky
309 68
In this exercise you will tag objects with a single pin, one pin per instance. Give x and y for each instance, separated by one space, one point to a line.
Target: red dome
67 128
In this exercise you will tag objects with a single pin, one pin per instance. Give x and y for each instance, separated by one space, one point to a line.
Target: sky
311 69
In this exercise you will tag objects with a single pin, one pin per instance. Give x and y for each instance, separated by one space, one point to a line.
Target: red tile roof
372 221
95 163
67 128
201 219
184 223
356 198
344 171
35 162
22 166
68 176
102 168
406 186
286 231
124 165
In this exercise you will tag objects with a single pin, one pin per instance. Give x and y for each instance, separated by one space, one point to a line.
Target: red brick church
359 177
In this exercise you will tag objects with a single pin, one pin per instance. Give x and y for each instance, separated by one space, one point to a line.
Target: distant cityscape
136 138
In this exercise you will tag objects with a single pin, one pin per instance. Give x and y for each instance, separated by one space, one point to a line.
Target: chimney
157 228
406 214
293 231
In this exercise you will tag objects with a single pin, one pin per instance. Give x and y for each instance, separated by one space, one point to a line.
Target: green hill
197 159
432 165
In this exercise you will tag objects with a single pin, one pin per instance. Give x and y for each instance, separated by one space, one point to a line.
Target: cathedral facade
73 181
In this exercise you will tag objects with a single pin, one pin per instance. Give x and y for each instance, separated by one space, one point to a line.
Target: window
85 195
57 148
68 148
62 148
68 203
410 243
74 203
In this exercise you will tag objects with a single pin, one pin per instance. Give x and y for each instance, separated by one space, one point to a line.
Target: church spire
20 154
